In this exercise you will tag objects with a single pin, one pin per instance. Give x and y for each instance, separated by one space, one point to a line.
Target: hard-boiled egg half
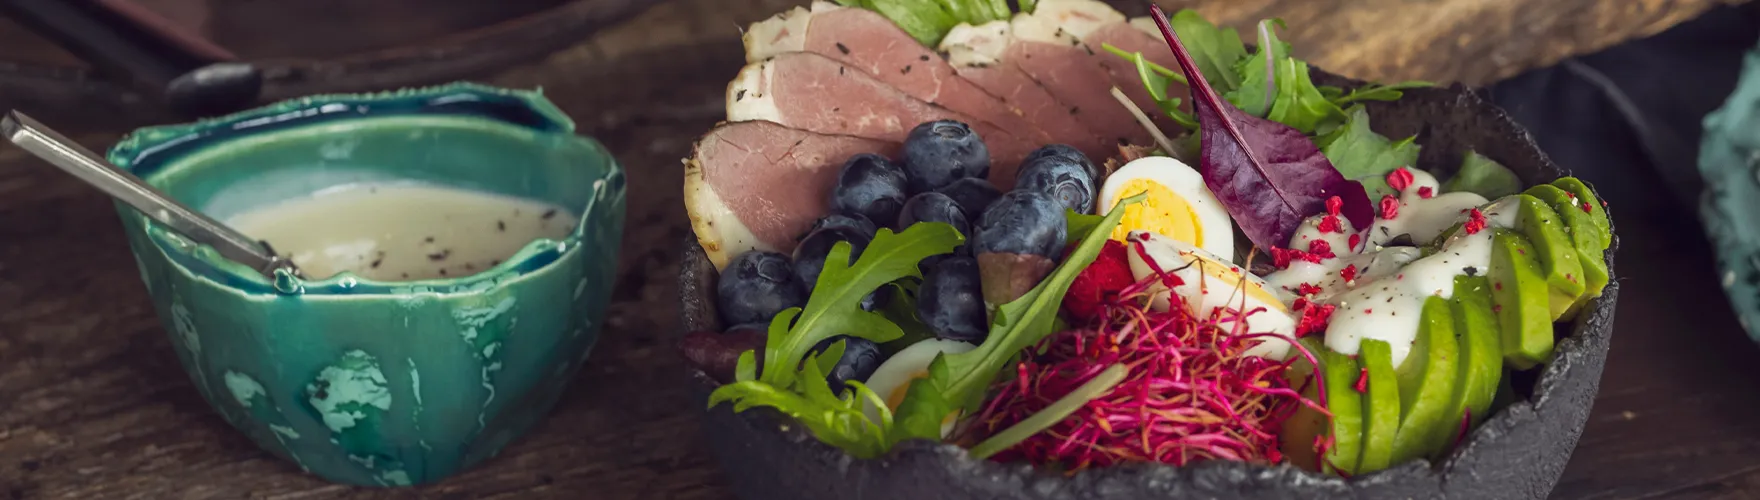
1179 205
892 380
1209 283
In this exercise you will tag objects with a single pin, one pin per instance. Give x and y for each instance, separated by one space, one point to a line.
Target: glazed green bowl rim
150 150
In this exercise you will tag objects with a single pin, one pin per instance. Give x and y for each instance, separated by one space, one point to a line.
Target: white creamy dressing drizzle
1423 218
1386 298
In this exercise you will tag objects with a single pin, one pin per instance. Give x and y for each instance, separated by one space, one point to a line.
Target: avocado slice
1346 404
1481 358
1519 294
1585 235
1300 430
1426 381
1596 211
1381 407
1557 255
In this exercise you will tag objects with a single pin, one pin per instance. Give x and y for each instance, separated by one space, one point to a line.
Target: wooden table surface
94 405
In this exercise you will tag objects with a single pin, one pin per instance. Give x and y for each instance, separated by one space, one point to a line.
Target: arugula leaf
1157 79
1485 176
901 310
1028 5
958 381
1362 155
1216 51
836 421
1375 92
835 306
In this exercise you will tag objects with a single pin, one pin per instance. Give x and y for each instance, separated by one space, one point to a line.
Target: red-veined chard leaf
1268 175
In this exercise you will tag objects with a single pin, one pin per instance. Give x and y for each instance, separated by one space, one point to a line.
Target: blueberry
931 261
933 207
1066 151
809 255
860 358
870 185
1068 179
756 286
973 195
1021 222
940 152
951 301
877 299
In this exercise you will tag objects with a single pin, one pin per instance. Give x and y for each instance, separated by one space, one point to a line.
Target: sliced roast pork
1067 70
759 185
811 92
976 52
1096 24
867 41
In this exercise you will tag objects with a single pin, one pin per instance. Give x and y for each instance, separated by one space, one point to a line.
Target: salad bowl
1518 452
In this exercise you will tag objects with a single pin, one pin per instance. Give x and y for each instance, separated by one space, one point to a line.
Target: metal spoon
93 169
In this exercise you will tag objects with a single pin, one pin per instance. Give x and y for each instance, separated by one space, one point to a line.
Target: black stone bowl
1517 453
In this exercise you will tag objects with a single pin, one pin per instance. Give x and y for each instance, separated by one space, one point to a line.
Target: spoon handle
88 166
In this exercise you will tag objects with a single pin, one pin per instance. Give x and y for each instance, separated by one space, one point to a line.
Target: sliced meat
1073 74
1095 24
867 41
758 185
1129 38
975 52
814 93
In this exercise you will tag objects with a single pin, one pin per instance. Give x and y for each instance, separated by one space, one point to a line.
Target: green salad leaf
1485 176
1079 225
957 382
901 310
1215 50
835 305
1365 156
837 421
928 21
1373 92
793 377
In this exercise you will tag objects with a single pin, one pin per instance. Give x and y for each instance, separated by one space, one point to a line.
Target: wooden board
94 405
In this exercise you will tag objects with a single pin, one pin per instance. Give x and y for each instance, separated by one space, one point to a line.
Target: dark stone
1518 453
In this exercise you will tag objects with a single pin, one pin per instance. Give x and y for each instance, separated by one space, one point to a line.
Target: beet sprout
1188 392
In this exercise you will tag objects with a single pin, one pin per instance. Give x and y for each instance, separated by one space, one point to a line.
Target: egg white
1214 226
1209 284
893 378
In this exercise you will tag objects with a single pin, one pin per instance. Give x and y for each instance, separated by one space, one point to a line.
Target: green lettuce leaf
1362 155
1259 73
1215 50
1485 176
957 382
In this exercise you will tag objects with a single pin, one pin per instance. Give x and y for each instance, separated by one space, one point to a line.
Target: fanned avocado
1481 358
1427 381
1586 197
1302 428
1585 235
1346 405
1556 255
1519 293
1381 408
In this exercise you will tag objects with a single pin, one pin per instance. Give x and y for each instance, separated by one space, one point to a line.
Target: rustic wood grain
1470 41
94 405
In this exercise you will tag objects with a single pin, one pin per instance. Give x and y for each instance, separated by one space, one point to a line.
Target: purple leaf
1268 175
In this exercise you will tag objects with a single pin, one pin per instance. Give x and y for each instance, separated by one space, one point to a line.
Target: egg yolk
1231 278
1162 212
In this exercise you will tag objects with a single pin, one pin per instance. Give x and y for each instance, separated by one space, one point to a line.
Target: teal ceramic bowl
381 383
